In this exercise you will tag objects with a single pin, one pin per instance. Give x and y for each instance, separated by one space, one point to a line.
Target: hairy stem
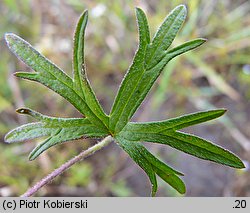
84 154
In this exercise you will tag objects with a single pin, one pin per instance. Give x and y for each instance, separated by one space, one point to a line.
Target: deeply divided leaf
152 166
133 151
149 61
48 74
190 144
58 130
165 133
81 83
147 65
187 143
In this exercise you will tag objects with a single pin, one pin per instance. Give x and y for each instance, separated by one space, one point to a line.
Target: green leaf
48 74
164 132
185 47
156 162
165 36
168 174
151 165
32 58
78 54
133 150
203 149
133 74
147 66
172 180
144 34
174 123
149 61
28 132
81 83
63 135
58 129
190 144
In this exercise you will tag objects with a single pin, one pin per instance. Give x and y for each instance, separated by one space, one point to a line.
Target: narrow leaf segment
148 63
165 132
81 83
152 166
58 130
48 74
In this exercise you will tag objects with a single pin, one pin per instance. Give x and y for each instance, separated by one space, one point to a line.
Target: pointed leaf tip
32 156
222 110
200 40
153 191
138 9
7 36
10 39
85 14
24 111
238 164
6 138
28 111
182 6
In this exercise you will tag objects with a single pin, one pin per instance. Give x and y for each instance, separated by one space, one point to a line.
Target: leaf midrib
67 127
136 85
229 162
79 66
172 136
174 128
131 94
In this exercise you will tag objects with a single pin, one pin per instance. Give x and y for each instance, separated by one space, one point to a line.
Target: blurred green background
213 76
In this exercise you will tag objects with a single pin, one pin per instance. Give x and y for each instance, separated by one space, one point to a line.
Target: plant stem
84 154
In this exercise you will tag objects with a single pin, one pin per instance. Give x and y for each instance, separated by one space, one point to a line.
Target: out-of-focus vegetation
215 75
